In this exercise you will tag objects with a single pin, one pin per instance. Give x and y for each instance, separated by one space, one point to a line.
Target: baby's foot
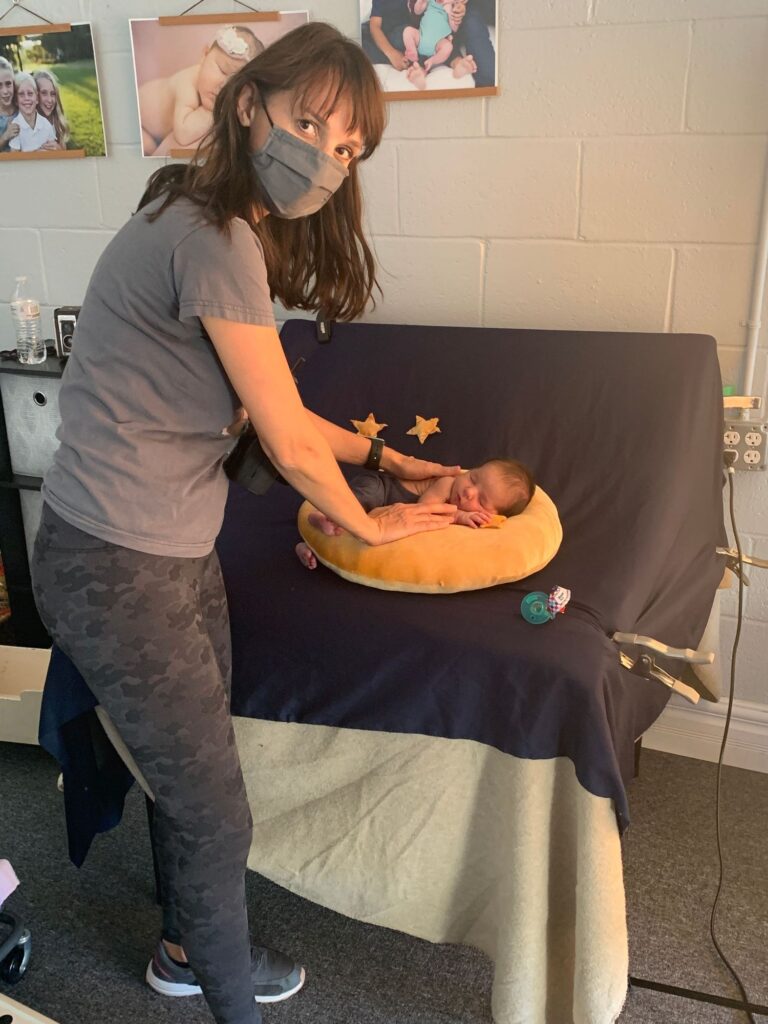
306 555
417 76
464 66
324 524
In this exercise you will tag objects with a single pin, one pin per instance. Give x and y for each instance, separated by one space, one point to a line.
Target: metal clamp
679 653
646 667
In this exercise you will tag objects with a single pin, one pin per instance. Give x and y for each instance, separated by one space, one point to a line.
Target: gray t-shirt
145 401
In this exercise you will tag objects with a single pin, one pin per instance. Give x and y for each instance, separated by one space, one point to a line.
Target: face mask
297 178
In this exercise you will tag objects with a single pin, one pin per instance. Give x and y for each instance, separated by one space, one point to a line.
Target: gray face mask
297 178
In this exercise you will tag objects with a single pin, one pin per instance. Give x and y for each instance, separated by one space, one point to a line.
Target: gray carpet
93 929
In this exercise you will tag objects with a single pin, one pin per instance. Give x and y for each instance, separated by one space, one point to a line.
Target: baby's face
6 88
26 97
480 490
215 68
46 96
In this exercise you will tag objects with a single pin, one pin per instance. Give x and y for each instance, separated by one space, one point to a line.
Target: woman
176 330
50 106
35 131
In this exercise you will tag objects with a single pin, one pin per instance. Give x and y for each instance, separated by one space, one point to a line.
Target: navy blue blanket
624 433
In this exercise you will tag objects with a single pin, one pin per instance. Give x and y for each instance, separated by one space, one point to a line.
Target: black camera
65 321
248 465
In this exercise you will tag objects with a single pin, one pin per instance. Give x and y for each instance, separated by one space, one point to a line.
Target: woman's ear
245 104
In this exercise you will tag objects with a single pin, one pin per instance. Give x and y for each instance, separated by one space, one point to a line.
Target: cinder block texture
543 13
713 289
121 182
728 87
751 677
427 281
20 253
509 188
592 81
673 188
379 178
69 258
675 10
565 286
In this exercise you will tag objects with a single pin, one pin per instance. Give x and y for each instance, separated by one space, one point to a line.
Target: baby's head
26 93
503 487
7 85
234 46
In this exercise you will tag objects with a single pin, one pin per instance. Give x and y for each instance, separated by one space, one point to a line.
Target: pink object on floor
8 880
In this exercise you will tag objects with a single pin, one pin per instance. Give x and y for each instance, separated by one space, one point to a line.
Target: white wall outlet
749 441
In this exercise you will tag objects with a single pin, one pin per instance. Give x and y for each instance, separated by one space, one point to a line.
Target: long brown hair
321 262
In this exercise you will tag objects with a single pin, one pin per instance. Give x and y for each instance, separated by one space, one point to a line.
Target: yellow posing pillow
445 561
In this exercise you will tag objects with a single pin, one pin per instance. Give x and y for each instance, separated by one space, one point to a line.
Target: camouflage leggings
150 636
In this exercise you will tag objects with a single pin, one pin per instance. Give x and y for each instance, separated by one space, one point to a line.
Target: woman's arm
257 368
354 449
395 57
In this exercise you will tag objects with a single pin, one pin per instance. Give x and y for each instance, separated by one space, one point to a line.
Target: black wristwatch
374 455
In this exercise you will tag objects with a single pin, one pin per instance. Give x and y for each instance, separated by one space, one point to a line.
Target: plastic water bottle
25 312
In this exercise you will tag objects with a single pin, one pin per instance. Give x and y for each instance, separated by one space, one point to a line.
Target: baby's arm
419 6
191 120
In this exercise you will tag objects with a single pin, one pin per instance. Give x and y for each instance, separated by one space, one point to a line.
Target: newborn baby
497 487
178 111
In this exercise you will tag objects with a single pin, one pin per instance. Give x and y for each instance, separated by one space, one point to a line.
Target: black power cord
743 1004
730 472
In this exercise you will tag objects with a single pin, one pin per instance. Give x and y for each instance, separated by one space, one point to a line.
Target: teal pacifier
534 608
539 607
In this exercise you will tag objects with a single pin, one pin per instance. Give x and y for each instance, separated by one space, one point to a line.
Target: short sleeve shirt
30 139
145 402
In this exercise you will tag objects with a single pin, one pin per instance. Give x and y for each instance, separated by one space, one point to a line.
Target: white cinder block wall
615 184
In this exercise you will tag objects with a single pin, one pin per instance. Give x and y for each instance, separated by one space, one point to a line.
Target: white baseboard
697 731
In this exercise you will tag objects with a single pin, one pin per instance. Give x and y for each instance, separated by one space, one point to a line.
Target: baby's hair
255 45
5 65
521 484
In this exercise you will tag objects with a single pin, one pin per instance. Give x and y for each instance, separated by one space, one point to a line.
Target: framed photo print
180 65
432 49
50 104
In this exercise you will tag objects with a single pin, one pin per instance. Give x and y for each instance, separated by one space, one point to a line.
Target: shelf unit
28 630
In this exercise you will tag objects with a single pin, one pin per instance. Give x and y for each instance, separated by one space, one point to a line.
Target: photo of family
425 48
49 95
181 68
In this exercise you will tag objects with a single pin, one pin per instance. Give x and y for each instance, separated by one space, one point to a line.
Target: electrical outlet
749 441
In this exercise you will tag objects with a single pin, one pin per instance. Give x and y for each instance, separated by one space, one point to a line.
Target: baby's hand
473 519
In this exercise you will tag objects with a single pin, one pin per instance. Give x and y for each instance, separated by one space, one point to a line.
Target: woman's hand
406 467
403 520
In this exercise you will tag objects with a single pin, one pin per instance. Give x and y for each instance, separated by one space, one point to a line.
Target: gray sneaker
275 975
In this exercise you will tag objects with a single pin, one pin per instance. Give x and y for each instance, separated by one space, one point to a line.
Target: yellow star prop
368 427
425 427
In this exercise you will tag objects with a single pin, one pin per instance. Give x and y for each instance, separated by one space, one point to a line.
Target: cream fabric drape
451 841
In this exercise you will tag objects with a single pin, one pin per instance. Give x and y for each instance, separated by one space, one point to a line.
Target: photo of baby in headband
180 70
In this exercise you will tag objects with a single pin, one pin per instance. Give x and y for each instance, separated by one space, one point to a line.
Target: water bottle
26 319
